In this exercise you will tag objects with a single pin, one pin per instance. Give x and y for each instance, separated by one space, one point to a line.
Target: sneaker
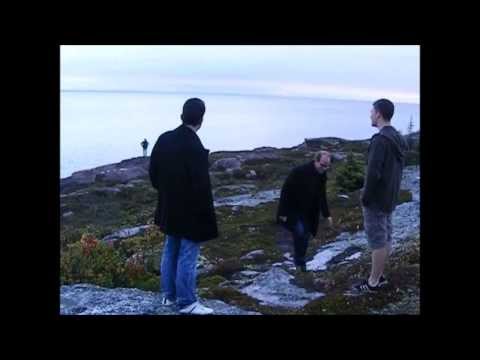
364 287
166 302
196 309
382 281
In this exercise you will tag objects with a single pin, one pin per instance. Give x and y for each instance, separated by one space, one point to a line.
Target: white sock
371 283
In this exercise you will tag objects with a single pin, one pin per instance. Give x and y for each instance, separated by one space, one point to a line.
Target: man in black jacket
302 198
185 213
380 195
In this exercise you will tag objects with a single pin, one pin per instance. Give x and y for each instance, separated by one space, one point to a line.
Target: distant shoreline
233 152
107 91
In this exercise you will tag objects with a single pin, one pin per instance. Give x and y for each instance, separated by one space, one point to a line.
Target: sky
337 72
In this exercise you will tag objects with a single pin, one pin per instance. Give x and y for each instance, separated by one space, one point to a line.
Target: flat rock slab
333 252
126 233
87 299
348 247
274 288
250 200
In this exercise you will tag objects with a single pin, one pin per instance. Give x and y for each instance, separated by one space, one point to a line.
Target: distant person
302 198
380 194
185 212
144 144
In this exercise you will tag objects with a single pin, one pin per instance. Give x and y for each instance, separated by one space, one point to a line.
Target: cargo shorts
378 228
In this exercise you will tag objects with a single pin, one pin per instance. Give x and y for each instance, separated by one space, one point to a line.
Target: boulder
250 200
226 164
338 156
122 175
260 155
253 254
204 266
121 172
126 233
249 273
251 174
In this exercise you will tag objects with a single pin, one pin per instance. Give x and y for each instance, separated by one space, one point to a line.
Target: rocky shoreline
244 272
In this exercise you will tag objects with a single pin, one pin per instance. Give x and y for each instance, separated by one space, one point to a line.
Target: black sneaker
382 281
364 287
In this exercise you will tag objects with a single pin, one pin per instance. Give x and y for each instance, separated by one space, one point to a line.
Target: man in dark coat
185 212
302 198
385 163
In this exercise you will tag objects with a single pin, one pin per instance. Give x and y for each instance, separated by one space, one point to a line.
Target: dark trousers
300 242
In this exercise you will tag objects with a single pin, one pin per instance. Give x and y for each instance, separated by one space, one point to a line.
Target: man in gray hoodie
382 186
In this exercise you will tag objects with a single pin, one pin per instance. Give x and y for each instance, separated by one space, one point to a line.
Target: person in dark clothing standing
302 198
185 212
144 144
380 194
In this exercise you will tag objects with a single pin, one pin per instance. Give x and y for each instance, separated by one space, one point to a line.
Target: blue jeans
300 241
179 270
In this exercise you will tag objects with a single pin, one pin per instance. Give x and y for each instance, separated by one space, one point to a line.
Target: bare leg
389 249
379 258
379 231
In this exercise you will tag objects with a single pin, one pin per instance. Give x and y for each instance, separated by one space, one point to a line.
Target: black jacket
385 163
303 196
179 171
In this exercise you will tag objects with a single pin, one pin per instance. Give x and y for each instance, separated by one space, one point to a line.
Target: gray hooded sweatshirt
385 163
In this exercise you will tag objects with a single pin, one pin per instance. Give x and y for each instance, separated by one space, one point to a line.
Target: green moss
107 212
281 160
149 242
224 192
339 304
350 174
336 302
105 265
231 296
149 282
227 268
236 298
346 218
235 238
102 213
240 173
412 158
355 146
404 196
210 281
307 281
222 176
403 274
100 265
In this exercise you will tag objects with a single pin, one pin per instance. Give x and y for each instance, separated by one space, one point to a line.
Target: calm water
100 128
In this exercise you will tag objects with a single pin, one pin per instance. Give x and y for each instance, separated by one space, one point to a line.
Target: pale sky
339 72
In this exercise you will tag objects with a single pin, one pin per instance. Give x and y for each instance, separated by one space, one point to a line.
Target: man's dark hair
193 111
384 107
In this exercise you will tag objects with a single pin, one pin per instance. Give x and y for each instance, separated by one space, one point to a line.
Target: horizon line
223 94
